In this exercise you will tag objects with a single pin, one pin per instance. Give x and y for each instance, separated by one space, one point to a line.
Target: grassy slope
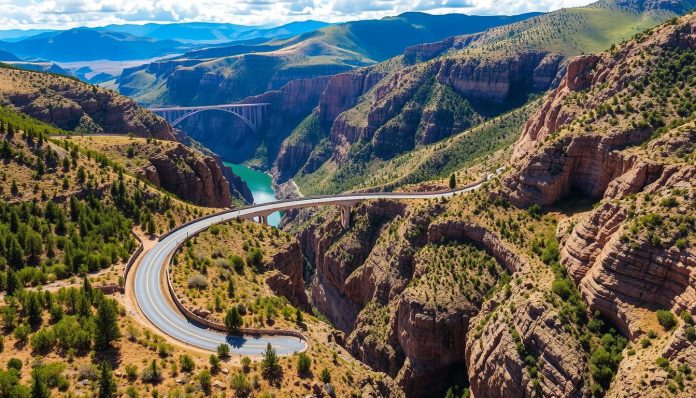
327 51
435 161
568 32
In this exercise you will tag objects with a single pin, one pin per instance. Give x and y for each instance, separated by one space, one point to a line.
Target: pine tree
270 366
233 321
11 282
299 319
107 385
151 229
38 386
14 189
230 288
15 254
452 181
106 324
33 309
87 287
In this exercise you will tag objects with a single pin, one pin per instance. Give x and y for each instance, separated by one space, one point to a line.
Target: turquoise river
261 186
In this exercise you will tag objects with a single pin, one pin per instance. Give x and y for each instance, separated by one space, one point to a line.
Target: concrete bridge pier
345 216
263 219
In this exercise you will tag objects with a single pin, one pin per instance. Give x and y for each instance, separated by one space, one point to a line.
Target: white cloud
61 14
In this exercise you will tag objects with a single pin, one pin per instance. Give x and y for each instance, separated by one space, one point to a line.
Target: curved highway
149 282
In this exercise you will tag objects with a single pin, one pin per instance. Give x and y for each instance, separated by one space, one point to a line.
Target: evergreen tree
230 288
87 287
106 324
452 181
38 386
33 309
151 229
233 321
270 365
15 254
12 283
304 364
14 189
299 319
107 385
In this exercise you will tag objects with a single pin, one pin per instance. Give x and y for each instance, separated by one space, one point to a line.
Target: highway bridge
251 114
150 283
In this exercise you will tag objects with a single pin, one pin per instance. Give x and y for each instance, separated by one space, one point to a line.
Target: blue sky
62 14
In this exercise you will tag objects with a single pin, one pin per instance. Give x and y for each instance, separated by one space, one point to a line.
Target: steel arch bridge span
251 114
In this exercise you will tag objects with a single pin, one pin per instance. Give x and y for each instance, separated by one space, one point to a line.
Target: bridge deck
207 107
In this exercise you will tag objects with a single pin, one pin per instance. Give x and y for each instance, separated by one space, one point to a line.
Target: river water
261 186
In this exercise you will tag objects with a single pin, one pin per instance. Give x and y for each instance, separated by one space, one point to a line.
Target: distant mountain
203 32
388 37
86 44
13 35
232 72
6 56
48 67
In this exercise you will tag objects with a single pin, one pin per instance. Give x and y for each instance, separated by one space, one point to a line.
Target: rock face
233 140
588 161
289 282
633 253
365 285
198 179
620 270
76 106
495 366
422 104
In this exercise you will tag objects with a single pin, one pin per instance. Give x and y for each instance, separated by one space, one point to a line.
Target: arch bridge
251 114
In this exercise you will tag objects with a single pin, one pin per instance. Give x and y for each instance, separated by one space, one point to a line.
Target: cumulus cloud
25 14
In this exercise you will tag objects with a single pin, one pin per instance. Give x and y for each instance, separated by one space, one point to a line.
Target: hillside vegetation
242 71
486 74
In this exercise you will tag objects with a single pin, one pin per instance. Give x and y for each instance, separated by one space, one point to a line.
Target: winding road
151 293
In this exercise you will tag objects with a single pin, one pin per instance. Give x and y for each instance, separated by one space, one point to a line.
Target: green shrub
132 371
186 363
325 376
14 363
666 319
223 350
43 340
686 317
303 364
237 263
563 288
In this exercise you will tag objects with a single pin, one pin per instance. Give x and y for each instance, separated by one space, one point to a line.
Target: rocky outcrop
289 281
424 103
568 147
513 326
619 270
75 106
197 179
494 80
365 286
633 253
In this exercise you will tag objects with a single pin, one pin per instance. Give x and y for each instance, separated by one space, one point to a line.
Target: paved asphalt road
149 284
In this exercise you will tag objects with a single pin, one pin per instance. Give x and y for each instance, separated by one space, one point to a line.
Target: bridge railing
310 198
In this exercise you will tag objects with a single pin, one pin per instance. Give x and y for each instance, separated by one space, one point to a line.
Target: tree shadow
236 340
111 355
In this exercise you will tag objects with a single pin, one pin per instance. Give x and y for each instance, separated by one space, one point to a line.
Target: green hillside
564 33
229 74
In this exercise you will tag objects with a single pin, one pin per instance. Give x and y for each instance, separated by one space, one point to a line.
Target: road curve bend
150 285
